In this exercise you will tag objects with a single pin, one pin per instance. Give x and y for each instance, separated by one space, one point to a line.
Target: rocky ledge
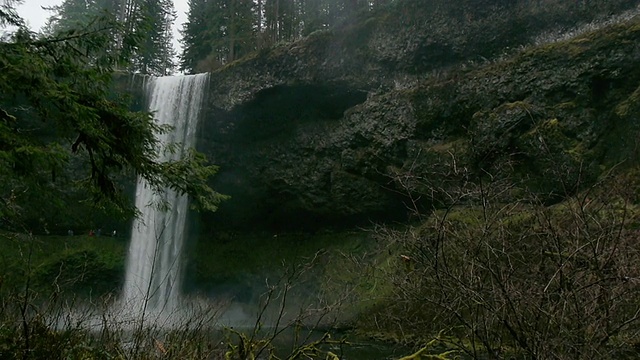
374 119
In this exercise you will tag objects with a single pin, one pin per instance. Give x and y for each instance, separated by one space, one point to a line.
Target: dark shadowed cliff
366 121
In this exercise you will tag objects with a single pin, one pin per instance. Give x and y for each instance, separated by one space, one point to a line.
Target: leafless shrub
282 313
501 273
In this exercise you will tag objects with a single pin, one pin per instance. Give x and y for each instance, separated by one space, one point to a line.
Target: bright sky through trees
32 11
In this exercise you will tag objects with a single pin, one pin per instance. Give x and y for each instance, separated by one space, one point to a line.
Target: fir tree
143 34
217 32
197 35
220 31
155 54
59 116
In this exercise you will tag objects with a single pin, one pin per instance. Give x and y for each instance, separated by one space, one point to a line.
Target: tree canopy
65 134
220 31
150 21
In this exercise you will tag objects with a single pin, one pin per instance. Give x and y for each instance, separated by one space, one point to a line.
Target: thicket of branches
494 271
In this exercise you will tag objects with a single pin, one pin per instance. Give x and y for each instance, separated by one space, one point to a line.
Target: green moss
630 106
566 106
230 256
80 271
81 264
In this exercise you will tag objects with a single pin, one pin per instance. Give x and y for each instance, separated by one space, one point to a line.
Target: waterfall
153 272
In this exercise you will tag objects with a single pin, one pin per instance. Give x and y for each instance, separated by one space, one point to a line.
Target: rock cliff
375 118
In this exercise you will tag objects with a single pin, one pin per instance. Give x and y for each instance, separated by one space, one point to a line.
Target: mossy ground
232 264
334 265
80 264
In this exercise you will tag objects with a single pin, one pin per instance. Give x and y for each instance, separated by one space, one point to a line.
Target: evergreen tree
281 20
313 16
59 115
198 35
143 35
155 53
241 37
77 14
217 32
69 15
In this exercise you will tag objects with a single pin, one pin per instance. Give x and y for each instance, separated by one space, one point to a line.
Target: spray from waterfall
153 271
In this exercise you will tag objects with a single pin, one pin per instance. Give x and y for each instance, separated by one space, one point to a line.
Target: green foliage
155 54
246 259
82 272
79 264
221 31
62 128
217 32
181 175
143 33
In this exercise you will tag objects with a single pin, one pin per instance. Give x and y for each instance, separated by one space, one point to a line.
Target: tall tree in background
282 19
194 46
76 13
220 31
79 14
217 31
313 16
143 35
242 28
155 54
199 36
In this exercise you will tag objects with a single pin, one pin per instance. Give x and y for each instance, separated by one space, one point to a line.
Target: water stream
153 270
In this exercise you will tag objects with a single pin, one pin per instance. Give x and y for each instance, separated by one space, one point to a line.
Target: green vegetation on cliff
501 164
518 174
522 179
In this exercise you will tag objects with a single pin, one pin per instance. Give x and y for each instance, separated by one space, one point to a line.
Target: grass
226 261
80 263
93 265
233 257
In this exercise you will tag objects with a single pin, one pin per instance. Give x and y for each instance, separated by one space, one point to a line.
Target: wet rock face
329 130
295 156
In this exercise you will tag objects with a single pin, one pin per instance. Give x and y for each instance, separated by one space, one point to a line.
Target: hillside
502 145
324 129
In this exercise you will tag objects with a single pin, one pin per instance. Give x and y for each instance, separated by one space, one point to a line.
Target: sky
36 16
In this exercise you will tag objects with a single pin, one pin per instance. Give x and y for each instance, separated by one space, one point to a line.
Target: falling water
153 274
